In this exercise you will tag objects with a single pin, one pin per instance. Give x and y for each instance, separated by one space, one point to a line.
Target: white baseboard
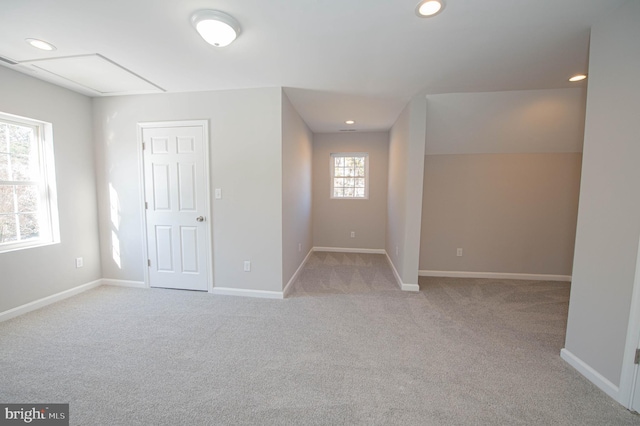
40 303
350 250
403 286
287 288
587 371
410 287
124 283
494 275
264 294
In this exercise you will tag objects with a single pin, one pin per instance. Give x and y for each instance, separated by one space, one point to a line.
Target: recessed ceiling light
427 8
43 45
350 122
578 77
216 28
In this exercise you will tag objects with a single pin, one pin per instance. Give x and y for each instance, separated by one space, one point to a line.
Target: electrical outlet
79 262
459 252
247 266
218 194
299 247
353 234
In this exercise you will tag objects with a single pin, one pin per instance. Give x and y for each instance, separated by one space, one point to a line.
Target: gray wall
297 142
501 181
245 128
333 220
31 274
609 211
404 196
513 213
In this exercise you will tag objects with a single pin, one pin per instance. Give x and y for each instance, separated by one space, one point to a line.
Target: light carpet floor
347 347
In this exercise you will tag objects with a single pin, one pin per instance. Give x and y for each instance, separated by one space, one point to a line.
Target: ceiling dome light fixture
40 44
428 8
578 77
350 122
216 28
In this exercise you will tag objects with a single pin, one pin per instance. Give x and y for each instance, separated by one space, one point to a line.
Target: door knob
200 219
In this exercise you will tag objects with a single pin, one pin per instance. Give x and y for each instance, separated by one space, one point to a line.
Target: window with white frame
28 208
350 175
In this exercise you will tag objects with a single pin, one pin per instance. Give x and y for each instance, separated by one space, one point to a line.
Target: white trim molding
403 286
410 287
630 370
350 250
494 275
295 275
587 371
124 283
41 303
264 294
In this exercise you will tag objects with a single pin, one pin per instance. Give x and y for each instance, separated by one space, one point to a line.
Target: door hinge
149 262
637 358
146 205
143 147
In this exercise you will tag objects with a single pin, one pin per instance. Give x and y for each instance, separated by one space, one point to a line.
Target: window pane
28 198
3 138
24 168
4 164
24 154
6 199
29 226
21 138
349 176
8 228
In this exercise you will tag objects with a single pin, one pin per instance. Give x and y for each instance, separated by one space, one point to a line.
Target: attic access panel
96 73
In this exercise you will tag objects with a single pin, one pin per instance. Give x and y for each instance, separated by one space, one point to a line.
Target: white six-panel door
175 191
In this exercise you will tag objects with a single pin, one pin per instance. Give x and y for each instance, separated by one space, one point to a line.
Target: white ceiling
339 59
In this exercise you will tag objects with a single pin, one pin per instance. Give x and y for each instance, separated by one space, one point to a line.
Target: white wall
609 211
246 163
404 202
297 142
519 121
501 181
31 274
334 219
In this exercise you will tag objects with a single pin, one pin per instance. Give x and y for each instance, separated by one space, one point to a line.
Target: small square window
350 175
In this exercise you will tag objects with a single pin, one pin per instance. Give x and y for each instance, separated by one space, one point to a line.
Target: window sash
40 168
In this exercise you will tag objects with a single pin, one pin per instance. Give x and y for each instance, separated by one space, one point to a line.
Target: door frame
630 370
204 124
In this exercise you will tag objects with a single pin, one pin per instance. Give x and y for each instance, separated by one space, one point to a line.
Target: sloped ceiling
340 59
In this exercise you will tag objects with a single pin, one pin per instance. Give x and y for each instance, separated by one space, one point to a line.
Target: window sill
17 247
